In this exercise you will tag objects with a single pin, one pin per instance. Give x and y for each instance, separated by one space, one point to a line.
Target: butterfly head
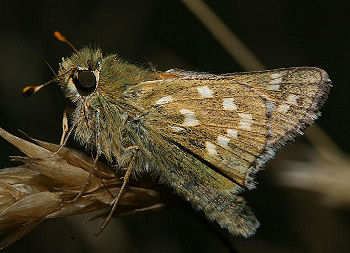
80 74
95 84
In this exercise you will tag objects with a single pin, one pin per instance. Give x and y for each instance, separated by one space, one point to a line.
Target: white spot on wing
229 104
291 100
211 148
205 92
177 129
273 87
232 133
223 141
246 121
276 81
276 75
154 81
283 108
270 106
190 118
164 100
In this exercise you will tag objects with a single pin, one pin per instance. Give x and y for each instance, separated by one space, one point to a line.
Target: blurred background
302 198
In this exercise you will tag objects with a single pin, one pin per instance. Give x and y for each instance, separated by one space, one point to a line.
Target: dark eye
85 82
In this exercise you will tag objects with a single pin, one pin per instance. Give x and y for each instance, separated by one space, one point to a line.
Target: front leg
98 154
65 127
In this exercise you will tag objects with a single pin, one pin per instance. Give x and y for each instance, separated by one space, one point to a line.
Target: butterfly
202 134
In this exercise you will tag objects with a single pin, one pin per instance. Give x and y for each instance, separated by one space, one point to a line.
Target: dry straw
44 188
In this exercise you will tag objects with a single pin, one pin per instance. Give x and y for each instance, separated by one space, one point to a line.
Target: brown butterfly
204 135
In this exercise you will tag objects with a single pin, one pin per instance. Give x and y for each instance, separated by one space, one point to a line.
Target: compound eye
85 82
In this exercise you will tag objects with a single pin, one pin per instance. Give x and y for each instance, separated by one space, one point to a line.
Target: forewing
296 95
234 122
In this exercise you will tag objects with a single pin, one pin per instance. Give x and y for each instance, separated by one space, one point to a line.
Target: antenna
60 37
30 90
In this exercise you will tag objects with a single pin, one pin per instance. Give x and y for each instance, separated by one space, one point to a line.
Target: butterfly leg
87 182
98 154
64 141
65 133
65 127
117 200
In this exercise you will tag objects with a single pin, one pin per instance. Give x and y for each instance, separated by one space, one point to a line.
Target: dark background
168 35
